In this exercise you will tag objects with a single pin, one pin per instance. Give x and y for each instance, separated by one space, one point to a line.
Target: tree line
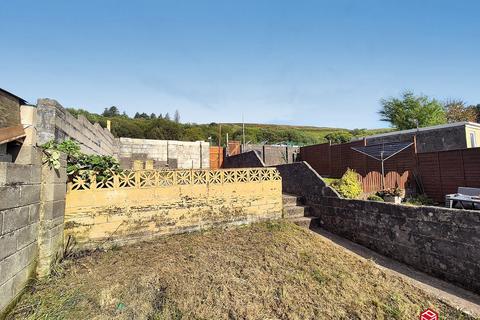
405 112
162 127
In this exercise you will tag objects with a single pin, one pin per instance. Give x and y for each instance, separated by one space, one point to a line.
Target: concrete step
306 222
296 211
291 200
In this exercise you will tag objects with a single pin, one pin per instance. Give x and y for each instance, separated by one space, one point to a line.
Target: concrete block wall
32 207
274 155
54 122
19 224
164 153
450 138
51 214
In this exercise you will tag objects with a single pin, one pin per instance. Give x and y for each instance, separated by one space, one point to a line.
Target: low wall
54 122
31 223
439 241
250 159
300 179
143 204
164 153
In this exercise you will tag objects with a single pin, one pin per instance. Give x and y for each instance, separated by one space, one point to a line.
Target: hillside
152 127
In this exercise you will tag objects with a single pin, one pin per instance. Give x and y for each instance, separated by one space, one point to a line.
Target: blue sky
322 63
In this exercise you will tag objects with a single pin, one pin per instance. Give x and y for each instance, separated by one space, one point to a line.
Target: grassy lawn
264 271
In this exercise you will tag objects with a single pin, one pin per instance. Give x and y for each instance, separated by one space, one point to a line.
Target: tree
339 137
136 116
167 116
359 132
176 117
411 111
111 112
457 111
153 116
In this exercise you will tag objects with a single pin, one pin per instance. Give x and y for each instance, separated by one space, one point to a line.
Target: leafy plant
79 163
52 157
348 185
392 192
374 197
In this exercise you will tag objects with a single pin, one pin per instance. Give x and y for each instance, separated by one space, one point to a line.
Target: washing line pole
243 134
383 170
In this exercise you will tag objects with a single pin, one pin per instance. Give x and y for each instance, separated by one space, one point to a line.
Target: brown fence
216 157
437 173
443 172
333 160
234 148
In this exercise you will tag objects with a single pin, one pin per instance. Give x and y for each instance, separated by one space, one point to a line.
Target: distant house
452 136
10 124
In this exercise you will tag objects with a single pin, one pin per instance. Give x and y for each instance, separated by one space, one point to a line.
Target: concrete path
447 292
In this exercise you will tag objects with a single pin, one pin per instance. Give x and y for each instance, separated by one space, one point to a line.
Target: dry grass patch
264 271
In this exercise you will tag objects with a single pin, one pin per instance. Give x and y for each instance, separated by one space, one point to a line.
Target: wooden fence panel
471 165
439 173
216 158
318 156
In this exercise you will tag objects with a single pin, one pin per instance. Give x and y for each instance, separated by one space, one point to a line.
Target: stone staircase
295 210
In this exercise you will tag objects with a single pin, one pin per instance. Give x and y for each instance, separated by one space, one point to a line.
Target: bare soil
272 270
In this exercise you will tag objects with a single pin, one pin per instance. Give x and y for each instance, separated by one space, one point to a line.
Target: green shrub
374 197
79 163
420 200
348 186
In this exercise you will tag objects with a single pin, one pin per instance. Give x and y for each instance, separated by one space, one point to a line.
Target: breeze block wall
143 204
32 198
164 153
19 224
54 122
274 155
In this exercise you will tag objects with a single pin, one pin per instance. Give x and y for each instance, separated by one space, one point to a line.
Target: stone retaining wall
442 242
439 241
250 159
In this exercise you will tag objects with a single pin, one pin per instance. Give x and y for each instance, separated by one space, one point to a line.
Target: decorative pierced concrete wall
137 205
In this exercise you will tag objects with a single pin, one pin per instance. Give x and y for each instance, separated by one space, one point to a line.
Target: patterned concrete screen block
142 204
